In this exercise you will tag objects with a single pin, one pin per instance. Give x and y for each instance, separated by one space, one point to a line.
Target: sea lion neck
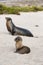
19 44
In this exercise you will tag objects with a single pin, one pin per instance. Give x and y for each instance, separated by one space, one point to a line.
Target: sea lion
20 48
14 30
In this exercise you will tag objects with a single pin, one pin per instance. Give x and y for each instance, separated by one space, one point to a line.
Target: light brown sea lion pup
20 48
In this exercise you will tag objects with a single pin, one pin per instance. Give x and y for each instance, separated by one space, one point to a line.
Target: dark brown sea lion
20 48
16 30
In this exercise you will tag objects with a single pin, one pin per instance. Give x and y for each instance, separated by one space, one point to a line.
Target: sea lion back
24 50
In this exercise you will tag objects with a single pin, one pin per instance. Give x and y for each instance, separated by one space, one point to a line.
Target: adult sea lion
20 48
14 30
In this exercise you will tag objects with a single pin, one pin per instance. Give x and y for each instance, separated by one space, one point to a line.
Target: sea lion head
8 18
17 39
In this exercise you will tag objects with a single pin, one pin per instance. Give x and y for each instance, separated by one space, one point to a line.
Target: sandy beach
7 43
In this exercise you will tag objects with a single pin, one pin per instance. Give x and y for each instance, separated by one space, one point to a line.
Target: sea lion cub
20 48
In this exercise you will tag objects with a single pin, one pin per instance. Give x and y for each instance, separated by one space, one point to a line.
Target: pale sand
7 44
